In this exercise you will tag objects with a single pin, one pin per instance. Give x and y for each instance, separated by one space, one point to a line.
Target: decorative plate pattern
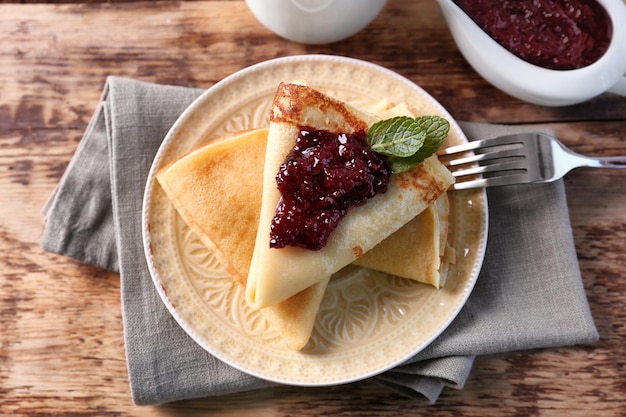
368 321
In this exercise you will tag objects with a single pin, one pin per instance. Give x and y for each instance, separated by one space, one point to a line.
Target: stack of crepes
226 193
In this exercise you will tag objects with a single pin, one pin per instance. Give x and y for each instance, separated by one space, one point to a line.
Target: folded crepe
419 250
277 274
216 190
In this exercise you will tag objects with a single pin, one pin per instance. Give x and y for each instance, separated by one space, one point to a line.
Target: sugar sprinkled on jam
324 175
554 34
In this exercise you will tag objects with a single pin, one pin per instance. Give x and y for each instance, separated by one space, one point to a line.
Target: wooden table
61 341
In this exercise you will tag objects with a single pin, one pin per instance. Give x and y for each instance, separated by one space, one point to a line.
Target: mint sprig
407 141
399 136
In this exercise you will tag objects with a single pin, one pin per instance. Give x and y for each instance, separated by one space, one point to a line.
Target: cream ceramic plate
368 321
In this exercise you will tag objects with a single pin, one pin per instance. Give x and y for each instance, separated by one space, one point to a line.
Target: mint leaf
406 141
398 136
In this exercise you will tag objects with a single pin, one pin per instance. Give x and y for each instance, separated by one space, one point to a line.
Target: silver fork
516 159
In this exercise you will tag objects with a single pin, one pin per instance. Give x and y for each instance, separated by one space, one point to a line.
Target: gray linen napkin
529 293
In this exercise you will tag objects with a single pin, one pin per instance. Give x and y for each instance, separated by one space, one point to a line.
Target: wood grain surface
61 337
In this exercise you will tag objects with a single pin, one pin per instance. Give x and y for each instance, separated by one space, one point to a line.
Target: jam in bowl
546 52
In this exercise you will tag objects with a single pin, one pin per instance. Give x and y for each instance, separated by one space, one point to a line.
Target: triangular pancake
419 250
206 187
222 208
416 251
277 274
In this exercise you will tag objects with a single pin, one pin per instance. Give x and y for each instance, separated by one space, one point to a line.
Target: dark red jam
554 34
324 175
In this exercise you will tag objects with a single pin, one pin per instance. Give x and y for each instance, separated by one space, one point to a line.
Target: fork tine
491 182
477 144
517 165
506 153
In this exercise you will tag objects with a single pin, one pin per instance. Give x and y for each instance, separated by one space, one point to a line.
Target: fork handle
607 162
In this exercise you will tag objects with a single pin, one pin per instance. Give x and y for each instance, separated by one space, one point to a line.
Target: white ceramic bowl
535 84
315 21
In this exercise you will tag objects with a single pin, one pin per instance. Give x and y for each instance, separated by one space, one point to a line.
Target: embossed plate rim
189 118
